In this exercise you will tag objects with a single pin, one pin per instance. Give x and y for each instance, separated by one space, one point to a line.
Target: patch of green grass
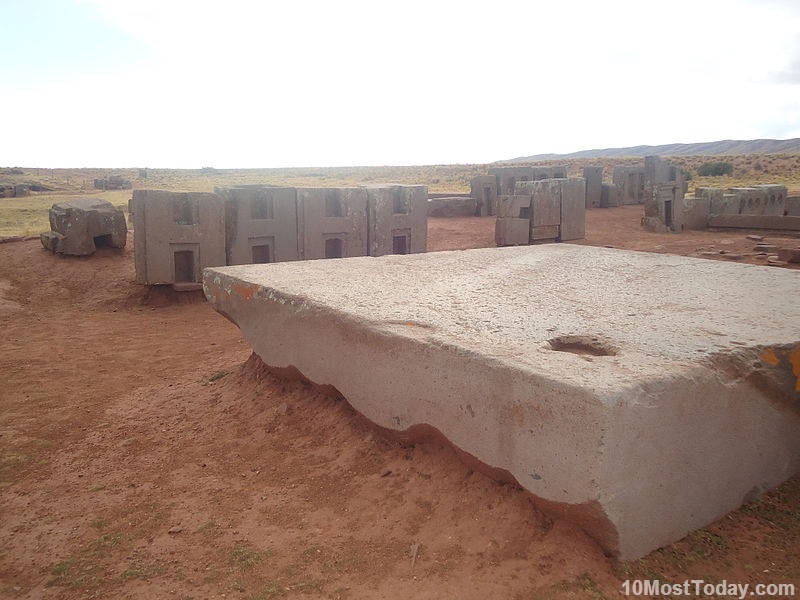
218 375
110 540
244 556
142 570
268 592
584 586
73 573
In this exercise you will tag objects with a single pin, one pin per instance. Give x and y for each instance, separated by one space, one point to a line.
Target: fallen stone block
452 207
755 222
640 408
82 225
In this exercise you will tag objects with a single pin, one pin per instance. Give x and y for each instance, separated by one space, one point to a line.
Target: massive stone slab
640 395
80 225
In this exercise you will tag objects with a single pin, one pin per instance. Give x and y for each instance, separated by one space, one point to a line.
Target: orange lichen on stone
768 356
794 360
245 291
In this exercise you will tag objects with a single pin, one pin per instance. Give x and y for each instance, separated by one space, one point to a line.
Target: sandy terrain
145 454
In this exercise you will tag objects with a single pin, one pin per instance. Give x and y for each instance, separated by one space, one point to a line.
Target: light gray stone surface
398 219
260 224
80 225
452 207
640 395
176 235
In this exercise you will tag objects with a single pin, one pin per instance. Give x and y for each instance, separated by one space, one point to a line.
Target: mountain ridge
718 148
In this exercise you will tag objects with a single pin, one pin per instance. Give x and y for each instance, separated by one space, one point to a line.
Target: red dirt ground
145 454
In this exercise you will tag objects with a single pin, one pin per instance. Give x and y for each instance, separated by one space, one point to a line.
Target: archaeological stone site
532 368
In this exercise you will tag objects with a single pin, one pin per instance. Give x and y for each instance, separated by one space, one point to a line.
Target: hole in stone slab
184 266
524 212
582 344
261 254
400 244
334 248
102 241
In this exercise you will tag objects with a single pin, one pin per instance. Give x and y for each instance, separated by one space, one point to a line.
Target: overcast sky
236 83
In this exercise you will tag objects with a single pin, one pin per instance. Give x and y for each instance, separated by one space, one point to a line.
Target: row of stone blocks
760 206
548 210
178 234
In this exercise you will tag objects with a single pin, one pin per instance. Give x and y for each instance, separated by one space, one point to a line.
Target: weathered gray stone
510 231
83 224
792 206
610 196
332 222
512 227
483 189
176 235
558 208
594 186
639 424
573 209
696 212
398 219
452 207
630 181
663 199
755 222
260 224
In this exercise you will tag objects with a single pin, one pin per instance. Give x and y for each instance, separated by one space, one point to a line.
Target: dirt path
144 455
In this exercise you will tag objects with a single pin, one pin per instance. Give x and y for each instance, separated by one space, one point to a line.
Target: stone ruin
82 225
664 189
765 206
178 234
545 210
112 182
553 370
14 190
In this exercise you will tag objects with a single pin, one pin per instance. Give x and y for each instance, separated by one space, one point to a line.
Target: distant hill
699 149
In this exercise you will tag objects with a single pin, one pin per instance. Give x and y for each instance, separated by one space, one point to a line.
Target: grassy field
28 215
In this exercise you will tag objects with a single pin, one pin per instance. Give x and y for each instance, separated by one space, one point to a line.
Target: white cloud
241 83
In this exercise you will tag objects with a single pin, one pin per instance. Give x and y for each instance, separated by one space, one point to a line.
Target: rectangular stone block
755 222
594 186
573 209
510 231
507 178
630 181
332 222
517 206
638 425
484 189
452 207
176 235
792 206
545 202
610 196
726 204
260 224
771 201
398 219
547 233
696 212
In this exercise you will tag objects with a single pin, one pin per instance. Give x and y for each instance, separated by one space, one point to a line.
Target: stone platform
639 395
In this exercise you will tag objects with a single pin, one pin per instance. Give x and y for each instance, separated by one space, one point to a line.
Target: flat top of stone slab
614 315
84 204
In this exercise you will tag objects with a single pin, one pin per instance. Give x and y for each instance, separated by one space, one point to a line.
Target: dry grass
28 216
